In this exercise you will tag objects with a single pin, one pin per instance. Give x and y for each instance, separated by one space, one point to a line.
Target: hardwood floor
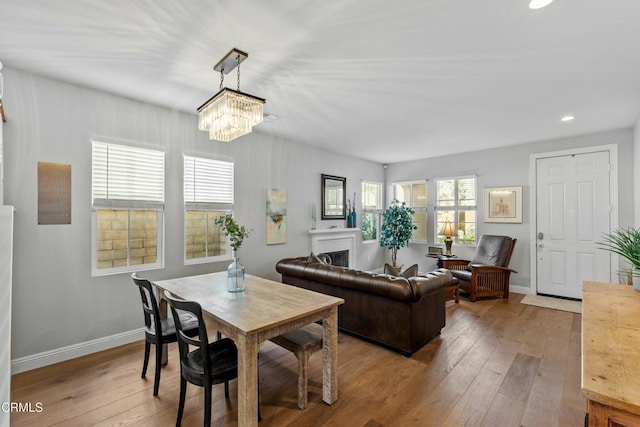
496 363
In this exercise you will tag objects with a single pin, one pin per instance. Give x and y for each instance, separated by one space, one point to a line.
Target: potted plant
626 243
397 228
236 233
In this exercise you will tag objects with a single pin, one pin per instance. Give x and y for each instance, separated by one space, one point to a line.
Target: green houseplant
236 234
397 228
626 243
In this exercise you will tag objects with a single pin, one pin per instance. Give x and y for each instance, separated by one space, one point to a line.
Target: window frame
207 206
129 205
456 208
424 208
367 210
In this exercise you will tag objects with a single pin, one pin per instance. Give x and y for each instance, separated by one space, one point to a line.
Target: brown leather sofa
398 313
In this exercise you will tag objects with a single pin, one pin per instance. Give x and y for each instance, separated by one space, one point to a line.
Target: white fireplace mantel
334 240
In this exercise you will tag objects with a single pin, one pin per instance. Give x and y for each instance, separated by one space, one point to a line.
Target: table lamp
448 231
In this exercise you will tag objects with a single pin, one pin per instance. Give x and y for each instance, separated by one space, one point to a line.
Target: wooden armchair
487 275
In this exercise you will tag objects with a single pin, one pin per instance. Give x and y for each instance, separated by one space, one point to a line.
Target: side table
451 292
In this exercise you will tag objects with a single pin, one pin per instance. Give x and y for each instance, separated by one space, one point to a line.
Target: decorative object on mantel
237 234
351 212
229 114
503 204
313 216
276 216
397 228
448 231
626 243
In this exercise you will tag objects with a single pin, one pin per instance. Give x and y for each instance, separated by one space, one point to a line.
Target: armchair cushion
492 250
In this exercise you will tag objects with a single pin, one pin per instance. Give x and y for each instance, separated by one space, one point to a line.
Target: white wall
508 166
56 302
636 179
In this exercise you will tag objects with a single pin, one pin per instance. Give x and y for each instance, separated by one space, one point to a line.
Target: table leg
330 357
247 380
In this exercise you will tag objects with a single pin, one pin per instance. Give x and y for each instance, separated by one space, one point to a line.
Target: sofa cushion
410 272
397 271
391 270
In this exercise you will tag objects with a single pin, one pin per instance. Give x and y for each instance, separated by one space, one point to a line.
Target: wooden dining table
265 309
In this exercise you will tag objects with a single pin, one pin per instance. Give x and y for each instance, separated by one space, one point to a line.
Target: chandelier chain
221 77
238 59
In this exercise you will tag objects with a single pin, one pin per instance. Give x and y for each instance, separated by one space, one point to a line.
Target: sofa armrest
430 283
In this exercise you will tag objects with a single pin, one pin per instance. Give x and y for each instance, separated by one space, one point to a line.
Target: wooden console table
611 354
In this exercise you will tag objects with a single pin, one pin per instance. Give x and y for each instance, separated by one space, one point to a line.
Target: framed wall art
503 204
276 216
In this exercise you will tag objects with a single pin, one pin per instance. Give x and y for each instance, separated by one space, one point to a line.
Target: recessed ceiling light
567 118
539 4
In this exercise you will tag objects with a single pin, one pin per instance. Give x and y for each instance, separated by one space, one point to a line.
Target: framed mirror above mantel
334 192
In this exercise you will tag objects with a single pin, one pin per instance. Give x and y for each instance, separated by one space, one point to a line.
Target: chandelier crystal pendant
229 114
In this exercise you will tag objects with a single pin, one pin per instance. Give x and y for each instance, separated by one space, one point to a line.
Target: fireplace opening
339 258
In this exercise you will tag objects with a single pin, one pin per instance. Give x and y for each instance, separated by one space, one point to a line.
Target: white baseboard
519 289
39 360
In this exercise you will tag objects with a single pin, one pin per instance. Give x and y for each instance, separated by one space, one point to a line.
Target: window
456 202
208 194
414 195
127 209
371 208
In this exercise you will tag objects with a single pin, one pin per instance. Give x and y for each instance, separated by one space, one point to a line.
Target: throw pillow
410 272
391 270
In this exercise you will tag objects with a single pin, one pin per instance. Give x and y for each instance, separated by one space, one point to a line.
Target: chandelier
229 114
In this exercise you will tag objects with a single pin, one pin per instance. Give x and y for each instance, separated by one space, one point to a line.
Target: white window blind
123 175
208 182
371 196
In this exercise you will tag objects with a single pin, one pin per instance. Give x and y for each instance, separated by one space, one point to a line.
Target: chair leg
156 380
183 392
207 404
226 389
147 350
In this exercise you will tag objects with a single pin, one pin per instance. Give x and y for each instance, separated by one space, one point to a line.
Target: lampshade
448 230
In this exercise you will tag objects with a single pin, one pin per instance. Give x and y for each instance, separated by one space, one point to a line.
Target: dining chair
207 365
158 331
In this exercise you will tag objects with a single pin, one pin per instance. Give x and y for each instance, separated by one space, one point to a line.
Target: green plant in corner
626 243
230 228
397 228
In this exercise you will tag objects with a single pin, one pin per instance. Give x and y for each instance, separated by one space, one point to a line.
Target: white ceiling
382 80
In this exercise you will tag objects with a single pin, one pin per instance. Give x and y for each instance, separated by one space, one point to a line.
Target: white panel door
6 261
573 212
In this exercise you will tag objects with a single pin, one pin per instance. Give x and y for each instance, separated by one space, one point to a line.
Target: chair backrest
149 304
201 341
494 250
